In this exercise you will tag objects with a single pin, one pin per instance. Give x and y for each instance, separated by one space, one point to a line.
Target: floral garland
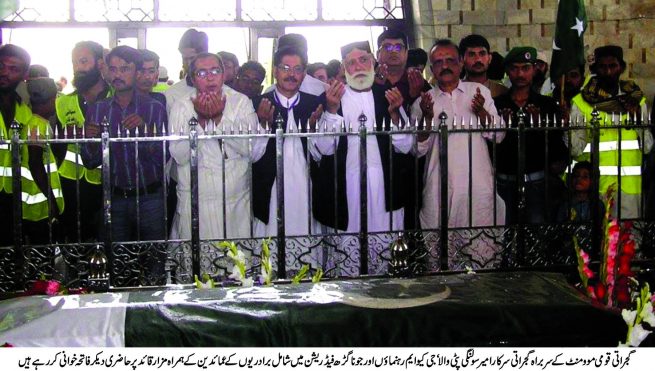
618 249
615 277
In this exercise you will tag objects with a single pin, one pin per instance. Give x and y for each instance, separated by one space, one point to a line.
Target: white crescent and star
579 26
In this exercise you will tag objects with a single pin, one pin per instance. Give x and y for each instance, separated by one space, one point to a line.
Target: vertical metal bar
195 219
17 194
221 143
48 168
166 177
493 166
595 178
308 155
106 192
238 11
417 185
78 211
335 185
391 190
252 210
443 197
619 165
136 183
546 167
469 152
520 183
363 197
279 165
319 10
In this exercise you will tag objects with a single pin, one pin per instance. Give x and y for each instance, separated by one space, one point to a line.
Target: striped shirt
127 172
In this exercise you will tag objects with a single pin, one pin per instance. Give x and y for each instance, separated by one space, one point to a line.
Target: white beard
361 82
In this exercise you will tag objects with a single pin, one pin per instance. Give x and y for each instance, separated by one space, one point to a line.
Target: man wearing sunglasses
217 108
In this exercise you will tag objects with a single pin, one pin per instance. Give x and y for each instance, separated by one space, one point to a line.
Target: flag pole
561 91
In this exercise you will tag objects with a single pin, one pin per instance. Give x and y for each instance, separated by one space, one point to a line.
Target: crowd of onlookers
62 183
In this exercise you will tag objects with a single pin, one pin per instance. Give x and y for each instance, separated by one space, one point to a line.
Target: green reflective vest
160 87
70 114
35 203
608 162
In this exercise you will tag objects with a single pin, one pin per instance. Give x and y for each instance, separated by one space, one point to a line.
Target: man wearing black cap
381 109
624 100
540 181
137 202
476 56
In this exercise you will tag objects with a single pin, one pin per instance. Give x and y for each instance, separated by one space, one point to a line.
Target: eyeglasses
203 74
393 47
297 70
441 62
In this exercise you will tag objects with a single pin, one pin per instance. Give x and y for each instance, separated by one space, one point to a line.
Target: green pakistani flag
568 44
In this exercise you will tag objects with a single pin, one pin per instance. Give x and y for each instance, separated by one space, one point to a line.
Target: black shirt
535 139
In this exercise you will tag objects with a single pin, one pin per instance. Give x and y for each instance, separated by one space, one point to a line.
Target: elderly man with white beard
386 168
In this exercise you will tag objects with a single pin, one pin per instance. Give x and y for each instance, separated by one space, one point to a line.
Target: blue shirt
127 172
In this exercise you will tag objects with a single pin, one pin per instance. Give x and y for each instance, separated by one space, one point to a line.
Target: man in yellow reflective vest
40 190
615 100
88 62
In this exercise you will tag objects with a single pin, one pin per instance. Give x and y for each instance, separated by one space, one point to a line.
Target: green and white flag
568 44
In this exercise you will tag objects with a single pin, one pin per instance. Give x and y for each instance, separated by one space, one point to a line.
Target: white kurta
481 201
237 158
298 220
353 104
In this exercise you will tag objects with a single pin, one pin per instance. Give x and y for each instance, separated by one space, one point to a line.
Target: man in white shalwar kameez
297 111
222 165
384 211
466 102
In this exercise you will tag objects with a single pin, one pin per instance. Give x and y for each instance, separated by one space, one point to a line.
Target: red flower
43 287
624 265
623 297
600 291
629 248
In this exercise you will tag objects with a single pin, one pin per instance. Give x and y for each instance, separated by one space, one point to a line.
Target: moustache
114 81
291 79
478 64
446 71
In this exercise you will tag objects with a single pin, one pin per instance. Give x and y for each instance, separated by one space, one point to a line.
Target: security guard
90 86
36 206
621 99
